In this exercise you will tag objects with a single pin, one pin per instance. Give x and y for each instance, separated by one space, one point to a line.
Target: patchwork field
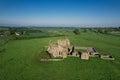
20 60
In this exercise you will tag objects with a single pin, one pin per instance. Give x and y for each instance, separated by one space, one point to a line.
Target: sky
65 13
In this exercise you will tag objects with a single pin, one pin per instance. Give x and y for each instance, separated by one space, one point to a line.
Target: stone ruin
108 57
85 56
63 49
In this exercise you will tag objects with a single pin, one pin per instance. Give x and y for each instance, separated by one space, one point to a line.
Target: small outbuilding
85 56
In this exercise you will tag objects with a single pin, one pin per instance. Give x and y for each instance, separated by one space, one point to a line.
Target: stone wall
60 49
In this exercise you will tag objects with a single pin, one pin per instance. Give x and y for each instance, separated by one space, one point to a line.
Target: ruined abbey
63 49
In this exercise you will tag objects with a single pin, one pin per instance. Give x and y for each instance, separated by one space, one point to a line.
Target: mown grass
20 60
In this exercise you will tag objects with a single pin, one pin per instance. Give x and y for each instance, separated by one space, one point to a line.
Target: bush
76 31
14 37
44 55
1 49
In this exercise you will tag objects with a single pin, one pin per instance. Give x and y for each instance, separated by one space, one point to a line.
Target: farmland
21 58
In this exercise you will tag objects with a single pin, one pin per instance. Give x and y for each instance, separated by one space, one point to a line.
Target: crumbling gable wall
60 49
53 49
64 43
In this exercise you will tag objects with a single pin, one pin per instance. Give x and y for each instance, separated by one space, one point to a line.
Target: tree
14 37
7 33
76 31
99 31
119 28
84 30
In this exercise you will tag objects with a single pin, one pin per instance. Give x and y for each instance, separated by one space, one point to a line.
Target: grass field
115 33
20 59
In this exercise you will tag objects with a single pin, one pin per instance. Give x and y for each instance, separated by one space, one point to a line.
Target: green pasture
21 61
117 33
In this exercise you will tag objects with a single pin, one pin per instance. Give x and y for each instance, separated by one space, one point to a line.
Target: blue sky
103 13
